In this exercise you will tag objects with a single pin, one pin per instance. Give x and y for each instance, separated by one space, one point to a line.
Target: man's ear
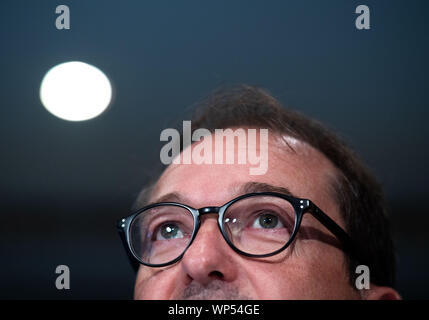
380 293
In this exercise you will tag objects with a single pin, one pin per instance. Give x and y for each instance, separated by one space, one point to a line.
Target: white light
75 91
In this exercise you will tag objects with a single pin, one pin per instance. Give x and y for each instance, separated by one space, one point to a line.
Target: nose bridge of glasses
207 210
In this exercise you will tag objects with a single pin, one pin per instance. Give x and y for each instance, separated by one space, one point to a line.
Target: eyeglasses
254 225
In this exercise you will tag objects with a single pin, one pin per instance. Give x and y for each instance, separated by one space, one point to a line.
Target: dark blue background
63 184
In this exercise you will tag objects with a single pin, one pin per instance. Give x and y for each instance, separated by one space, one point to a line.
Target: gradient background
63 184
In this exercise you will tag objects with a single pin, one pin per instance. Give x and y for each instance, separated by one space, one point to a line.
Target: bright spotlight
75 91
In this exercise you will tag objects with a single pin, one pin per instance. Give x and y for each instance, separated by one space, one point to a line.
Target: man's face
311 268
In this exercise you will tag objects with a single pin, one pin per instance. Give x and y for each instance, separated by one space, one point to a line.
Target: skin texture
312 268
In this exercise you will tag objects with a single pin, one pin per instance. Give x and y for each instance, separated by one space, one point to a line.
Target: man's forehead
294 166
235 189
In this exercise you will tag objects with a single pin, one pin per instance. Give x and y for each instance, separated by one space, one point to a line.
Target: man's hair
356 191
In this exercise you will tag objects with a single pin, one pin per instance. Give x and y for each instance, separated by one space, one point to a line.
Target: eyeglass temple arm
331 225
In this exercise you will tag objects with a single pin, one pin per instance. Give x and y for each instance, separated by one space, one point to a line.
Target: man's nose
209 257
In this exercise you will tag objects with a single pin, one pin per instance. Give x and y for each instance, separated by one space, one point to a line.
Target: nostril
216 274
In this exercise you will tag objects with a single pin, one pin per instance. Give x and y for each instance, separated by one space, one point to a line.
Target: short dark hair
356 190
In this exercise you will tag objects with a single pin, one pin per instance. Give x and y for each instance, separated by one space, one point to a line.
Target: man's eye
267 221
169 231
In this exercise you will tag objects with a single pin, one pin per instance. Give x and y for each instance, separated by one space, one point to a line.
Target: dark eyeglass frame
301 207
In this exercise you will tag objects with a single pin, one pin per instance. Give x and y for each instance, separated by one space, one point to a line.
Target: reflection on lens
161 234
259 224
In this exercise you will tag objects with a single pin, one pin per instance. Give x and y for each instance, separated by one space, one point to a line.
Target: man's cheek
145 285
139 287
158 283
271 279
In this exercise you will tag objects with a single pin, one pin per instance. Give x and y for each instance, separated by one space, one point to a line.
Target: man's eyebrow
251 187
170 197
